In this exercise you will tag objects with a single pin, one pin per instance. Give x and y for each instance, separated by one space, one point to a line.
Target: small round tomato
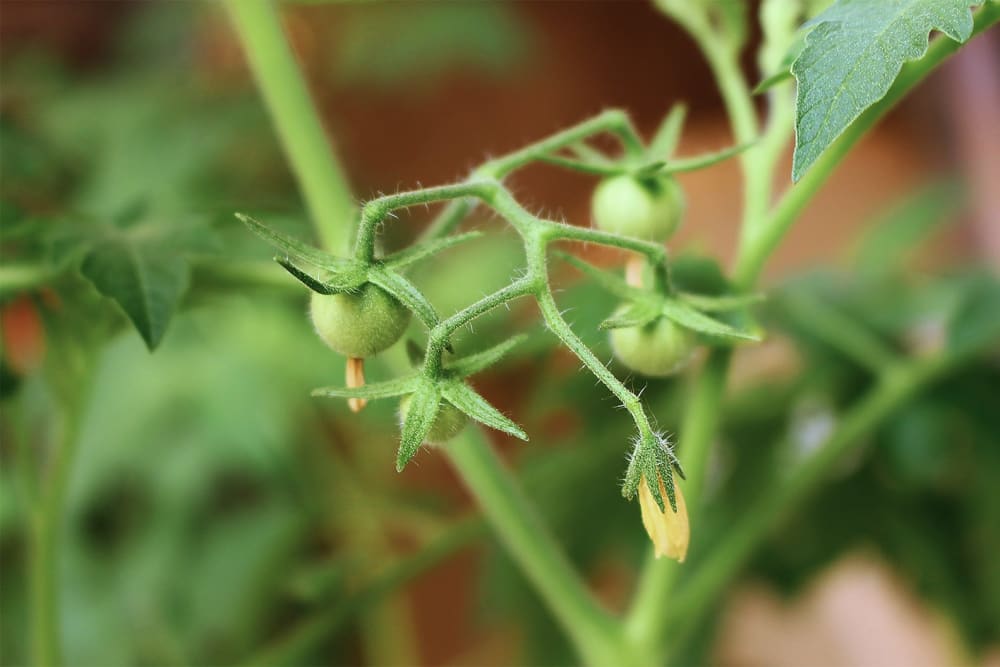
644 208
448 423
359 324
658 349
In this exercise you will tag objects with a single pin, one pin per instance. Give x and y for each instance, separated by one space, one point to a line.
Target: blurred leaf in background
389 46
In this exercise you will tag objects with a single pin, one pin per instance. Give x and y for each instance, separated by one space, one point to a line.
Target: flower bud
669 530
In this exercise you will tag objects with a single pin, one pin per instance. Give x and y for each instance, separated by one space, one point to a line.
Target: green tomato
649 208
448 423
658 349
359 324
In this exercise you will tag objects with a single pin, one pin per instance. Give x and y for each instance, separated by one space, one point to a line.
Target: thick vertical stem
592 631
46 533
322 180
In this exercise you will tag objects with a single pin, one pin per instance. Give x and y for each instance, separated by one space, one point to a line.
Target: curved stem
614 121
376 210
308 149
558 325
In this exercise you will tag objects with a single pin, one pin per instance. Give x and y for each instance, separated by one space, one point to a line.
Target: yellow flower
669 530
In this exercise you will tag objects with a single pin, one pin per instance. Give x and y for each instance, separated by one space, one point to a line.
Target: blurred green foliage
217 513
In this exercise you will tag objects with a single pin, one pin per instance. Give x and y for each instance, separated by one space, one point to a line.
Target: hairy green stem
613 121
309 150
376 210
440 334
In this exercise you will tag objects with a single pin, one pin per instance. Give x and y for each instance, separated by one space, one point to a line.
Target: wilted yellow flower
669 530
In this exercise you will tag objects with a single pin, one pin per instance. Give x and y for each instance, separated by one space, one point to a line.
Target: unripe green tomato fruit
448 423
359 324
648 208
655 350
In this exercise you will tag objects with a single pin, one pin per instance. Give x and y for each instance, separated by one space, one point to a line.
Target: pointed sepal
668 135
465 398
703 161
690 318
637 314
406 292
420 416
607 281
292 247
480 361
422 251
387 389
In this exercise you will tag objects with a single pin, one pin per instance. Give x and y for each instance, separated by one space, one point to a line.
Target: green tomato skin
448 423
659 349
649 209
359 324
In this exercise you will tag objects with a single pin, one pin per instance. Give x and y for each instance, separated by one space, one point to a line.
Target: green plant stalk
647 618
46 532
593 632
895 387
723 59
309 151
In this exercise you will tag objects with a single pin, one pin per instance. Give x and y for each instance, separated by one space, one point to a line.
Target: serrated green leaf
387 389
608 281
292 247
463 397
688 317
476 363
851 57
422 251
407 293
420 417
720 303
146 279
637 314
